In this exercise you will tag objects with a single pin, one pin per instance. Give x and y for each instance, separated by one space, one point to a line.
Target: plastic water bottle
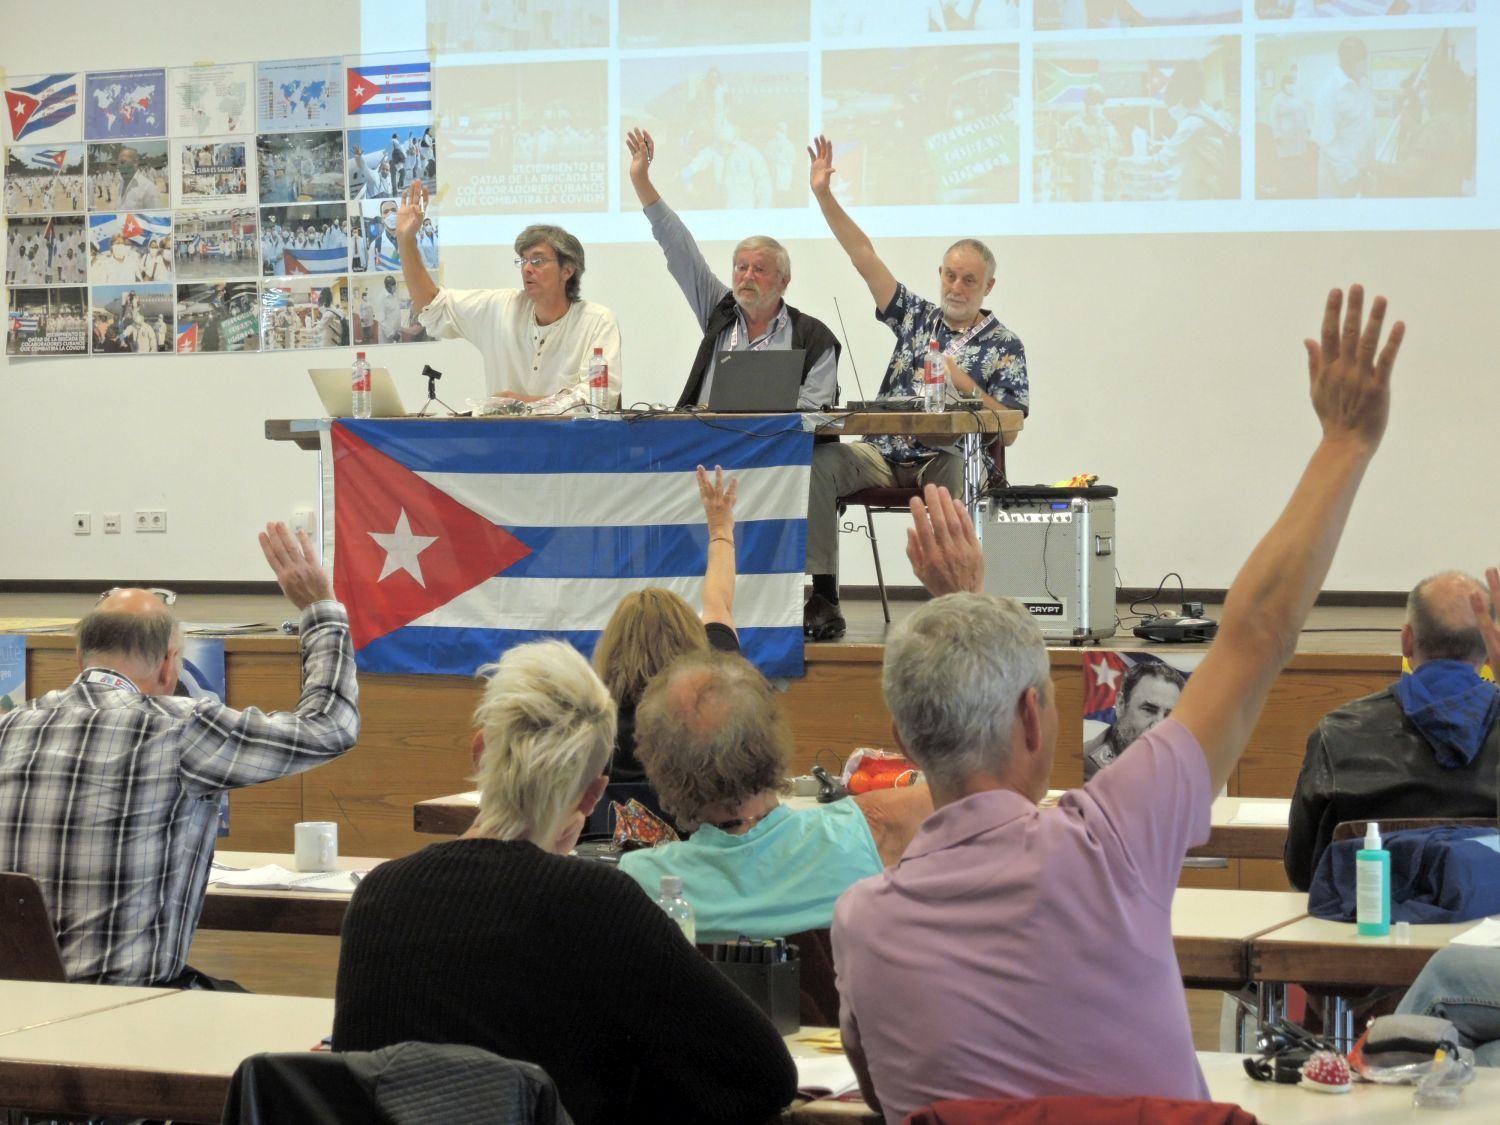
677 907
359 386
934 379
598 381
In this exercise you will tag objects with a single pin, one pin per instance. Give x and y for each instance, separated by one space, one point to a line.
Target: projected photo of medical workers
1343 9
516 25
729 129
927 125
860 19
523 137
1137 120
1366 114
1073 15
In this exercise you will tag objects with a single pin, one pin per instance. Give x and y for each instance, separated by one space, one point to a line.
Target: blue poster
12 672
125 103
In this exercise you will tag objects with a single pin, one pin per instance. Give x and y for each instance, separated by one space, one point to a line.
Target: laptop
332 385
764 382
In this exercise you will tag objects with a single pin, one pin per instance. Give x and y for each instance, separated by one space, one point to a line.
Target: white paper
827 1075
273 876
1485 933
1269 812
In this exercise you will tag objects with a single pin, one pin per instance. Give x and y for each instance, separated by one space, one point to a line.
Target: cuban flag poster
44 108
454 540
388 90
1125 694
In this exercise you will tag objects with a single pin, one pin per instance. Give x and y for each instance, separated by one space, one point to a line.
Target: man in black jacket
1427 746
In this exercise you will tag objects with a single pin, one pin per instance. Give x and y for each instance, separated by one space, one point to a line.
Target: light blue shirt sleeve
685 262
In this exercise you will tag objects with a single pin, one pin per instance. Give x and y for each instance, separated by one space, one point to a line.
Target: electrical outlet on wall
151 519
83 523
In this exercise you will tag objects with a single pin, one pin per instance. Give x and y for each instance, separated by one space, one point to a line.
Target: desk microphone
850 351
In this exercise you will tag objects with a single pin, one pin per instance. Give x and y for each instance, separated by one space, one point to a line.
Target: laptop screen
757 382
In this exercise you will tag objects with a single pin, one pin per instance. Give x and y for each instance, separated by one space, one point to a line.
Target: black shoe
821 619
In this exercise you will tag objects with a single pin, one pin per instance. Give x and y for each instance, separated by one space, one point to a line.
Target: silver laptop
332 385
757 382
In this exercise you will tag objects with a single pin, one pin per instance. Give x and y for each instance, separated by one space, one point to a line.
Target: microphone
849 351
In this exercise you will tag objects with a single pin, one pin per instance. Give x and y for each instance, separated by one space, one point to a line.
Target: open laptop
756 382
332 385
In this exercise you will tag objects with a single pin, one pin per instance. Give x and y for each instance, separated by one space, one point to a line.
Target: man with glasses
536 340
750 315
110 788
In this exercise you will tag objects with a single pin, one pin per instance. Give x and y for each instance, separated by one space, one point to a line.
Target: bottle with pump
1372 885
934 379
359 387
677 907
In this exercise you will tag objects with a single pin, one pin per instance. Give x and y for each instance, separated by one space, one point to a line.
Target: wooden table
1332 954
166 1056
1366 1104
277 910
453 814
1212 931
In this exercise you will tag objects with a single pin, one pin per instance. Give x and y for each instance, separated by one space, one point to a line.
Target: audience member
716 749
503 941
109 789
964 968
1426 746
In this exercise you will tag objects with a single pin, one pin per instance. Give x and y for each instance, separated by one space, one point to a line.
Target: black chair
28 942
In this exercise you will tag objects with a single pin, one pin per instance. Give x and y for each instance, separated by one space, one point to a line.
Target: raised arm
419 282
642 152
1350 378
1484 613
855 242
719 576
942 545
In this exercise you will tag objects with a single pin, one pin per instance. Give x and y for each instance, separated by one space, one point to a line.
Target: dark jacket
808 333
1366 761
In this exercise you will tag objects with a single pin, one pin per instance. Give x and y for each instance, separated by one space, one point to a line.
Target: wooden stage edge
416 730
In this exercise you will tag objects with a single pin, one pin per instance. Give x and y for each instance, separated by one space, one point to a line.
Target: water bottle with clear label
934 379
359 386
598 381
677 907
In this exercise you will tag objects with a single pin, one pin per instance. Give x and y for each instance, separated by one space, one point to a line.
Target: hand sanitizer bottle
1372 885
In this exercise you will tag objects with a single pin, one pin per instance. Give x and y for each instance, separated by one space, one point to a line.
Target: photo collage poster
1038 103
234 207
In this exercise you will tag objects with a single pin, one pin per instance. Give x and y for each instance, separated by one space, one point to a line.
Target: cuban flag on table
137 227
314 259
455 540
375 90
42 105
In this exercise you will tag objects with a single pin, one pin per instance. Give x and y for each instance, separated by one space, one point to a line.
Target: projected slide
1049 116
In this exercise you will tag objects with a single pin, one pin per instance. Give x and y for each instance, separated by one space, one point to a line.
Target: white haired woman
503 941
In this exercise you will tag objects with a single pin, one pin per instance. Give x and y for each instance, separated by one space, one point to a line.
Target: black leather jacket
1367 762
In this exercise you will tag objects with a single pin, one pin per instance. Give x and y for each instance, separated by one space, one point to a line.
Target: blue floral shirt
994 359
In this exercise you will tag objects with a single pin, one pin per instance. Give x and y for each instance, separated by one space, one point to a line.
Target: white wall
1170 365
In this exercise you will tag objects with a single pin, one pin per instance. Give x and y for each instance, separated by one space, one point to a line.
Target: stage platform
416 729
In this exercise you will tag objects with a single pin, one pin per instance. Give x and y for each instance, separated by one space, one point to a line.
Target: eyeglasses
168 597
534 263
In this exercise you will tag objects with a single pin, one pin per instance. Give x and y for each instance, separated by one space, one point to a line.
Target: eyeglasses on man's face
535 263
168 597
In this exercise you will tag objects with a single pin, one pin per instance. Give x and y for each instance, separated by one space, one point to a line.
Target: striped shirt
109 798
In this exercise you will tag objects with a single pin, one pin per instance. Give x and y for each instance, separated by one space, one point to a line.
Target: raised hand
1350 372
820 177
642 151
1484 615
942 546
412 211
295 564
718 501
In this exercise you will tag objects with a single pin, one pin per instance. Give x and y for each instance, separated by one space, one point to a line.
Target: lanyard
108 679
755 346
957 342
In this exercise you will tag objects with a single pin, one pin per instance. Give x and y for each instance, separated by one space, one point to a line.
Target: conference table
1272 1104
1241 827
134 1052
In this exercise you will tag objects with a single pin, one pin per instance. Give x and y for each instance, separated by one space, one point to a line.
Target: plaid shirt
109 798
994 359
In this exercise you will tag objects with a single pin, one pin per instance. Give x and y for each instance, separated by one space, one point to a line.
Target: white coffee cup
316 845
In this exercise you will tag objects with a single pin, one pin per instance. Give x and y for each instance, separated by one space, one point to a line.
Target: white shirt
501 323
141 193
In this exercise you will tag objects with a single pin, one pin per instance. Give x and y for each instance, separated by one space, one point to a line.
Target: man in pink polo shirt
1020 951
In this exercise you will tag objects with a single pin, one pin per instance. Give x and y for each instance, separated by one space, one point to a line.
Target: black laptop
764 382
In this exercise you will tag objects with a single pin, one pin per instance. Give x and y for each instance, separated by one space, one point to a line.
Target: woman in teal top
716 748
